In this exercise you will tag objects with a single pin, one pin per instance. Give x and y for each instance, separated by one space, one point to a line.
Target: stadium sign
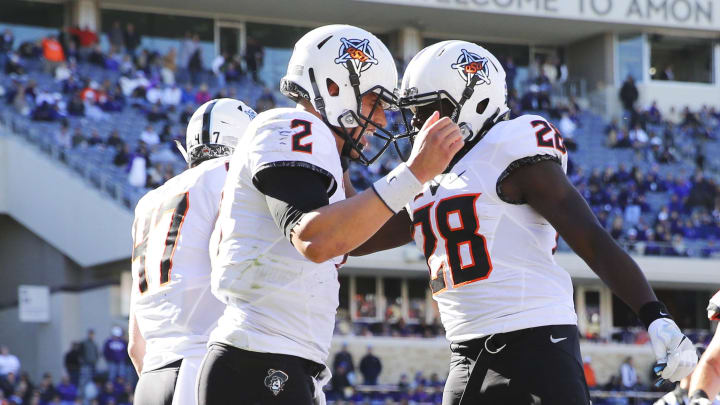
692 14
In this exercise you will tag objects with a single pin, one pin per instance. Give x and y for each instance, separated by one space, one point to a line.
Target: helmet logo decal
359 52
469 64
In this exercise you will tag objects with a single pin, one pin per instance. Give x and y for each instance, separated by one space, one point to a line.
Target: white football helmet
358 63
214 130
459 79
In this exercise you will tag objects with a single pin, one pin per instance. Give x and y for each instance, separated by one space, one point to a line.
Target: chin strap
320 107
466 94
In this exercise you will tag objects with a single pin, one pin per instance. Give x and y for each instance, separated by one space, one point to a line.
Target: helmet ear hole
332 87
481 106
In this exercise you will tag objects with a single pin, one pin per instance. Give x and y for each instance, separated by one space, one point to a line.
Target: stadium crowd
93 84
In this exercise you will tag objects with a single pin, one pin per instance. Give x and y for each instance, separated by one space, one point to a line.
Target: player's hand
699 397
714 307
435 145
675 353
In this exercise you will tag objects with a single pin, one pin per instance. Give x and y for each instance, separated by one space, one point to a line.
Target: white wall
60 207
678 95
41 346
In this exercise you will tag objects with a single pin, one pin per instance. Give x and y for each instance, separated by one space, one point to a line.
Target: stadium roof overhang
436 22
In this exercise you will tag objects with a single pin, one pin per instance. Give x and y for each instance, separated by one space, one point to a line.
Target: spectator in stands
131 38
169 67
203 95
149 136
370 367
344 357
628 375
122 156
218 68
233 70
9 363
6 41
254 55
107 395
589 372
72 363
667 73
266 101
638 137
340 381
116 37
629 94
66 389
115 352
89 355
78 139
157 113
195 64
138 165
13 64
8 384
46 388
52 52
186 50
171 96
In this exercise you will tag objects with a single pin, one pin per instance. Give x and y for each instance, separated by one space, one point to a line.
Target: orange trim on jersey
476 232
472 258
172 254
459 214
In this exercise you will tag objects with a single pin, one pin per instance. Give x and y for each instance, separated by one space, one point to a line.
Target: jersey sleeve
293 139
525 141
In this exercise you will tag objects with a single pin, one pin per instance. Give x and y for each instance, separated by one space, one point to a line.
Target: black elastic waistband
174 364
472 348
311 368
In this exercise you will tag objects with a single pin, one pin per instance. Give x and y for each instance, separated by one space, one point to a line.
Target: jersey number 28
156 236
466 249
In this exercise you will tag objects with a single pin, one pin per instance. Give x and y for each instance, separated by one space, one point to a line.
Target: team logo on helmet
471 65
359 52
275 380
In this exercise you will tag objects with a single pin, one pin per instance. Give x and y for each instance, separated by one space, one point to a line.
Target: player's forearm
338 228
706 376
136 343
397 231
615 268
136 357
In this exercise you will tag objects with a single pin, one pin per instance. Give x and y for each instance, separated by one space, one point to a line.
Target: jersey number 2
298 136
460 236
177 207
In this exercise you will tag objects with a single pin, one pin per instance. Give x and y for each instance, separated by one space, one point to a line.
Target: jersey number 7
460 237
156 237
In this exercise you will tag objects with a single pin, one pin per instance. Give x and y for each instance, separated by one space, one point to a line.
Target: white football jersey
171 298
277 300
491 262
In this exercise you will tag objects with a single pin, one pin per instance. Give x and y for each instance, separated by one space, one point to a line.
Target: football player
487 228
286 222
172 309
705 381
